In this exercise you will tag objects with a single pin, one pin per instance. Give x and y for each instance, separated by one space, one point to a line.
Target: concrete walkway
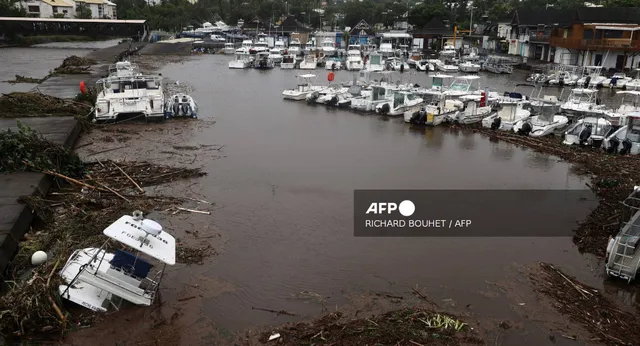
15 218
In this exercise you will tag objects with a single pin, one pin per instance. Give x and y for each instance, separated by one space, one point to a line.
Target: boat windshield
375 59
581 97
634 134
460 87
262 44
398 99
411 97
327 44
377 93
294 44
437 82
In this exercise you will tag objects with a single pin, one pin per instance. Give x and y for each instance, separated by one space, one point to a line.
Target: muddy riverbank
281 178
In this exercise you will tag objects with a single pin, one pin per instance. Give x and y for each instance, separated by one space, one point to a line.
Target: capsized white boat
590 130
93 276
623 252
303 88
181 105
626 139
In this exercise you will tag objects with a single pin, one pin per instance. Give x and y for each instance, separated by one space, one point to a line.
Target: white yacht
386 49
94 277
506 117
582 102
626 139
242 60
275 54
448 52
401 102
303 88
245 48
128 95
374 63
354 58
328 47
288 62
309 63
589 130
263 61
294 47
229 48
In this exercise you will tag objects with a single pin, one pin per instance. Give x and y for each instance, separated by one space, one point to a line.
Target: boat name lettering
138 227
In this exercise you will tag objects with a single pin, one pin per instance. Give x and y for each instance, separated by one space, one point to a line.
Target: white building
48 8
67 8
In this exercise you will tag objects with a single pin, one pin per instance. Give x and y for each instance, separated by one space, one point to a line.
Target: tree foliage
83 11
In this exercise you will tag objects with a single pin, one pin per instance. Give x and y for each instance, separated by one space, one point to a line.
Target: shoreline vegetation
91 195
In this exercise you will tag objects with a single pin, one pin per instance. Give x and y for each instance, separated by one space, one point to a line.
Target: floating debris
28 80
586 306
74 65
193 255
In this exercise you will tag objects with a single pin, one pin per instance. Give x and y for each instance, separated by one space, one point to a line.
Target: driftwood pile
585 305
34 104
74 65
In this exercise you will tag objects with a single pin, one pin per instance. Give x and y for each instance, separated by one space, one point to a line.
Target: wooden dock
15 218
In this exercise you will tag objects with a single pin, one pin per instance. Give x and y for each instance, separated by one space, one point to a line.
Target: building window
65 11
34 9
55 9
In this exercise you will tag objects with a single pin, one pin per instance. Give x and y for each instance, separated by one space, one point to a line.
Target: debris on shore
89 197
27 80
408 326
34 104
74 65
586 306
613 178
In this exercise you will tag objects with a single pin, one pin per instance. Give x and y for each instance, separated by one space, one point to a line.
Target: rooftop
69 20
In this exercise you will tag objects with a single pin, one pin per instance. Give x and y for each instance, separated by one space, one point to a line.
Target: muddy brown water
283 187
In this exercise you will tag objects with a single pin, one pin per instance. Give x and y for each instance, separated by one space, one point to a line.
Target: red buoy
83 88
331 76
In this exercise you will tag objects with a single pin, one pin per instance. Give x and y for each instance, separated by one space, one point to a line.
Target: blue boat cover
126 261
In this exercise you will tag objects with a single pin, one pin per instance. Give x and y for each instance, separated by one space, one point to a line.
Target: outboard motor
186 108
176 107
384 110
626 146
415 117
401 68
496 123
585 134
614 143
313 97
333 66
333 101
587 81
526 129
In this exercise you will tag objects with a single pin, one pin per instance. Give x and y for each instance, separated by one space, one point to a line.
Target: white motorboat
378 95
309 63
508 114
288 62
401 102
591 77
328 47
448 52
434 113
633 84
439 83
446 68
181 105
94 277
469 67
423 65
386 50
395 64
630 103
263 61
242 60
623 252
123 69
354 58
259 47
473 111
324 94
582 102
229 48
294 47
626 139
589 130
129 95
498 65
335 95
333 64
545 122
618 80
374 63
275 54
303 88
217 39
245 48
280 46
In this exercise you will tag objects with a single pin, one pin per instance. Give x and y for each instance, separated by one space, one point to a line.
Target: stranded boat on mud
623 252
129 95
95 277
181 105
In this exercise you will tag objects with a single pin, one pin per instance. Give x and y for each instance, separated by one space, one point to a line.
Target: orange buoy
331 76
83 88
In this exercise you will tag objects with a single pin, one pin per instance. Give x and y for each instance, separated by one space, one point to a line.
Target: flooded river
284 205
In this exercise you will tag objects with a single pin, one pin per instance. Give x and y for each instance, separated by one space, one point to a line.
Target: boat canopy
629 92
161 246
307 76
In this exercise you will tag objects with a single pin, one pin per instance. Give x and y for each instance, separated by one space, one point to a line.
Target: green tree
83 11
